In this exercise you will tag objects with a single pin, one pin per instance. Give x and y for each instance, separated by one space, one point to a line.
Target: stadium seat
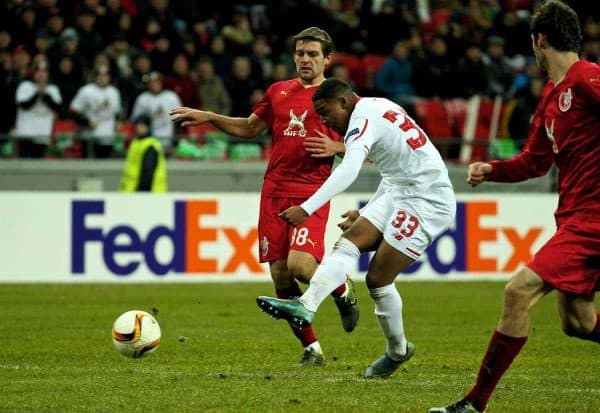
245 152
63 143
371 64
438 17
354 65
484 122
197 133
433 118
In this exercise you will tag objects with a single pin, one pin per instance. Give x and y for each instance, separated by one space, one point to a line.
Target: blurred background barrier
194 237
186 176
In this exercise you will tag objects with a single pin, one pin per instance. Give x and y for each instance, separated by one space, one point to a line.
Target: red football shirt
292 172
565 130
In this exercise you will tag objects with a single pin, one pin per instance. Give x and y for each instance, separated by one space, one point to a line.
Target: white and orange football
136 333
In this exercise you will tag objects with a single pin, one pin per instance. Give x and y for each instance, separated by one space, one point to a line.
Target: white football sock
388 309
330 274
314 346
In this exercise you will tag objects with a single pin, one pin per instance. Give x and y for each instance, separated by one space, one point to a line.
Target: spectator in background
67 45
221 58
90 41
262 63
149 33
240 86
55 26
162 54
471 75
132 84
97 107
38 103
393 79
159 12
508 25
157 103
211 90
523 109
25 26
281 71
181 82
65 76
120 53
43 41
340 71
497 66
397 20
145 166
238 36
433 72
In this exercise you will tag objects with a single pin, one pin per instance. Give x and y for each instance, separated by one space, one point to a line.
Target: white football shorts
410 224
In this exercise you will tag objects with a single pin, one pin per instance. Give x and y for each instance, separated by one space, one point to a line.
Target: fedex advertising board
67 237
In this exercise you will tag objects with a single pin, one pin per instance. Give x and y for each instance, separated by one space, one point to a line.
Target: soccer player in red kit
565 130
296 169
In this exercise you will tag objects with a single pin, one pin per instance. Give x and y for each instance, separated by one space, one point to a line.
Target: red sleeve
535 160
589 84
263 109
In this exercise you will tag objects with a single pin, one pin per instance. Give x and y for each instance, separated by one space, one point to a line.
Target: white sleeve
137 107
78 102
25 91
341 178
118 103
54 92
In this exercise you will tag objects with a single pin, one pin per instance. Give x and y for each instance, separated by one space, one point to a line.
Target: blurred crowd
100 63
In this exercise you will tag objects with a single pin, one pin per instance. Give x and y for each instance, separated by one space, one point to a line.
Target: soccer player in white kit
413 205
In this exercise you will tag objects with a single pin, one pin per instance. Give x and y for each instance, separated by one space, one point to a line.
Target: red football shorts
570 260
276 238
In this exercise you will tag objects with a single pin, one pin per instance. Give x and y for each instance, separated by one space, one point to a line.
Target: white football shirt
380 130
158 106
102 105
35 122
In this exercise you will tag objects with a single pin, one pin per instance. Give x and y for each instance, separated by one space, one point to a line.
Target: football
136 333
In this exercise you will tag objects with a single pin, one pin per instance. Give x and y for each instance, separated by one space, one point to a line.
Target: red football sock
594 335
500 353
338 292
306 335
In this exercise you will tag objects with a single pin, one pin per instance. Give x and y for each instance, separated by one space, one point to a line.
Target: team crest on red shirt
296 125
564 100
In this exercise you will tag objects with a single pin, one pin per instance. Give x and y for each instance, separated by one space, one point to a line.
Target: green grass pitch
56 353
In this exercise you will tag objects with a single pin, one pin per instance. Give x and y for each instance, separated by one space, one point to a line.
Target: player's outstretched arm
249 127
478 173
322 146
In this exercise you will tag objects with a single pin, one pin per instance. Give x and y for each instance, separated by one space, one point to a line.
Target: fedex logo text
468 236
188 236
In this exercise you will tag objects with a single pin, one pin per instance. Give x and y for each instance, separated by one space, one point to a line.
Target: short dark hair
332 88
560 24
317 35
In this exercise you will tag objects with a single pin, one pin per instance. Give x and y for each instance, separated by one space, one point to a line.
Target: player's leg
386 264
408 225
274 249
361 236
521 293
307 247
579 316
561 264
